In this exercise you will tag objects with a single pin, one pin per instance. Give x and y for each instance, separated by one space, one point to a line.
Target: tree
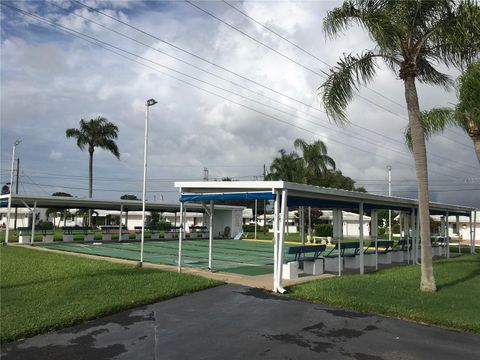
64 213
287 167
411 37
98 132
129 197
316 160
335 179
465 115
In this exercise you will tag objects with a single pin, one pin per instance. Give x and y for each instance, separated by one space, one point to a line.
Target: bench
383 249
172 233
198 232
25 234
322 240
343 255
69 233
154 232
109 230
309 256
400 250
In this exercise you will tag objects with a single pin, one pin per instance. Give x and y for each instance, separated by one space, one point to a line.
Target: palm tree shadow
473 274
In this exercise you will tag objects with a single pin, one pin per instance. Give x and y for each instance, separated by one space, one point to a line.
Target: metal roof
81 203
309 195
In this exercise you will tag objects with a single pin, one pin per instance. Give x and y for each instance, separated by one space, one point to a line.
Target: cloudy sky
228 100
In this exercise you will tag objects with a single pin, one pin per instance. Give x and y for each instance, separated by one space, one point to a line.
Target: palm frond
434 122
338 89
427 74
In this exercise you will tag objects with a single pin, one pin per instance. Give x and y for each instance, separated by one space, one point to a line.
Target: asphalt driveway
236 322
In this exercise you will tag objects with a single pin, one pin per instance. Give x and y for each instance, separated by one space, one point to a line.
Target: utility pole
16 192
264 204
389 168
205 174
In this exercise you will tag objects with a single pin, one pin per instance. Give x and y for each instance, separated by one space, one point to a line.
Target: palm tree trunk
90 181
427 282
476 143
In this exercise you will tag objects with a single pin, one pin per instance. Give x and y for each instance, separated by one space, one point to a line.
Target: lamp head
151 102
17 142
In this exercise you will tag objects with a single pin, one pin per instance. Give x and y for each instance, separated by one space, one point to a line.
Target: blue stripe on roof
229 196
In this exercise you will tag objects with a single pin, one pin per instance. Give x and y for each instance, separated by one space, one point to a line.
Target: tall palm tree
411 37
465 115
98 132
316 160
287 167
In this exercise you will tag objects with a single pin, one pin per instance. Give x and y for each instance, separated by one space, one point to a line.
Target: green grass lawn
395 292
42 291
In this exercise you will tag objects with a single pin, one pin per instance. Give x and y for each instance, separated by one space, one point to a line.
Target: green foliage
382 231
45 224
323 230
44 291
163 225
250 228
395 228
287 167
395 292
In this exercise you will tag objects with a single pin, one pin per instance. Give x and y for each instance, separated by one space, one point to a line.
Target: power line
225 69
73 33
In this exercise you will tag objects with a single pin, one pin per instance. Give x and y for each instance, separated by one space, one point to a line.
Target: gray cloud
50 81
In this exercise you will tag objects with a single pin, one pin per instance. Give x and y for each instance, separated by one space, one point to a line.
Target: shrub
163 225
45 225
396 228
324 230
250 228
382 231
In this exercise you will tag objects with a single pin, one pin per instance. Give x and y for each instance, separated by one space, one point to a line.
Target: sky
228 100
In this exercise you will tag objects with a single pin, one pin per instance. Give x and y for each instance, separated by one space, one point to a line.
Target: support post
474 230
284 210
180 236
256 205
374 231
457 223
275 240
34 219
470 231
360 221
121 221
210 237
302 224
309 230
447 235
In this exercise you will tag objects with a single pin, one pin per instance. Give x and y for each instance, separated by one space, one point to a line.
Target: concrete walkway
237 322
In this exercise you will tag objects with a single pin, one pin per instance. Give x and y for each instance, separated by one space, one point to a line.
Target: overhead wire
200 88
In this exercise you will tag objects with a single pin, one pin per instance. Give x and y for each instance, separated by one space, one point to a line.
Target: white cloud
50 81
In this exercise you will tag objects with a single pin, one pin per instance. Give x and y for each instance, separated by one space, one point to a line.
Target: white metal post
180 237
121 221
275 240
447 235
457 223
474 230
417 237
374 231
256 204
302 224
282 239
360 220
34 219
389 194
470 231
411 232
309 230
210 237
10 192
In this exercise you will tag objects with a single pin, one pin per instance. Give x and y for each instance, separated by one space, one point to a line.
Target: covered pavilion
286 194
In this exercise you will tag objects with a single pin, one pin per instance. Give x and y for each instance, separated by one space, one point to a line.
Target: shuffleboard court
235 256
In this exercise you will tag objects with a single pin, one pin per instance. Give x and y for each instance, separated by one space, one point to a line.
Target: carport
286 194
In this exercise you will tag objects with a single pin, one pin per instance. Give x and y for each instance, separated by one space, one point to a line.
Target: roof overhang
308 195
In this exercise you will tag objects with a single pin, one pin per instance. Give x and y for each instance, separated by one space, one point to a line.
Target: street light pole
389 168
150 102
10 192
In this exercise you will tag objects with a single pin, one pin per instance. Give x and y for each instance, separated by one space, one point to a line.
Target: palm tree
98 132
317 162
411 36
465 115
287 167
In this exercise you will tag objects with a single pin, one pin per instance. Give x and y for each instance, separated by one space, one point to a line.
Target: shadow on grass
475 273
111 273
